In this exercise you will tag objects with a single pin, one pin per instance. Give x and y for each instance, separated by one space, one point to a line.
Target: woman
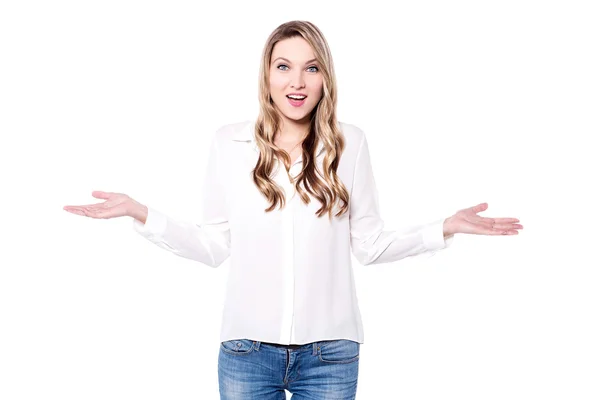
288 197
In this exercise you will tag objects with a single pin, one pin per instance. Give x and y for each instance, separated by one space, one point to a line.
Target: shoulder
353 135
351 131
236 130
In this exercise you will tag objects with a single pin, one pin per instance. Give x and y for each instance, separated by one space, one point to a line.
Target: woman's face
294 69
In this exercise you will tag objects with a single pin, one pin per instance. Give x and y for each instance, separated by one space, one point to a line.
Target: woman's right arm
207 242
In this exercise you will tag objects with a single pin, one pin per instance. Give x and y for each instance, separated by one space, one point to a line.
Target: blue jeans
252 370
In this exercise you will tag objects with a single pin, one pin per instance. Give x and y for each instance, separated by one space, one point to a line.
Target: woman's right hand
116 205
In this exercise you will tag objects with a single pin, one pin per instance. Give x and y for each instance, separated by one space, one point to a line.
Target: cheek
317 93
277 83
317 88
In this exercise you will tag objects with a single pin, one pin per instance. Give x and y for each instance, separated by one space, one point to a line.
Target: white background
462 102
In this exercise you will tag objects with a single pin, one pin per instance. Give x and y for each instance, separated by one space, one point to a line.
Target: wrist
138 211
448 227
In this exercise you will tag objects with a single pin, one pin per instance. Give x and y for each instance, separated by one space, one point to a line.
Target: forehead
295 49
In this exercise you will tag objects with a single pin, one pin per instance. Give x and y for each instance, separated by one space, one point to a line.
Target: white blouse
291 279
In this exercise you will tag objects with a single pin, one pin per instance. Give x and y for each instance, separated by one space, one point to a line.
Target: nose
297 81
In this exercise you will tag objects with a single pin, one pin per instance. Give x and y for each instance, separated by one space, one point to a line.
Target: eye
283 65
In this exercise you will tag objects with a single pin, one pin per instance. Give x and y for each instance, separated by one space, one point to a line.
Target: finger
507 226
91 208
474 210
479 208
92 212
101 195
72 208
88 205
498 232
508 232
74 211
492 222
502 220
499 223
80 211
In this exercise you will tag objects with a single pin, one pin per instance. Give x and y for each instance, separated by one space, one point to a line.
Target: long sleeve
370 243
207 242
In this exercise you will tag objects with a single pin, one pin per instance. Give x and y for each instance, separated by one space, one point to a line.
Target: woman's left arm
372 244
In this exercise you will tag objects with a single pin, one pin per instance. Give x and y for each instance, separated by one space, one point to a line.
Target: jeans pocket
238 346
339 351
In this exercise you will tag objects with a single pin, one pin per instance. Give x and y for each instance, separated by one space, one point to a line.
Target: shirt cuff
433 236
155 226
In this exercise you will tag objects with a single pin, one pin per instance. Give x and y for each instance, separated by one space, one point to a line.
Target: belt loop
315 346
257 345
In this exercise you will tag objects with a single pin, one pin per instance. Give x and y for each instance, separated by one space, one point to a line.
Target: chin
298 118
294 116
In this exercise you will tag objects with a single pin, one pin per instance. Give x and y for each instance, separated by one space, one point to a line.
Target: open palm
467 221
116 205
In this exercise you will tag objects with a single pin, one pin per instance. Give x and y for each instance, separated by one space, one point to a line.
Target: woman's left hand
467 221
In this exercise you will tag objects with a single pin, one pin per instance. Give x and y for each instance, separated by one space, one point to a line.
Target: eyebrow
285 59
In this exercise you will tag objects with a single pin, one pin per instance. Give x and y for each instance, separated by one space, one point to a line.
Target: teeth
296 97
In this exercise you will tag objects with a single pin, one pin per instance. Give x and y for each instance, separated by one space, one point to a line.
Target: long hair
325 186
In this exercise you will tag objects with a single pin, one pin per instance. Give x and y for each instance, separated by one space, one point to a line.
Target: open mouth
296 101
294 97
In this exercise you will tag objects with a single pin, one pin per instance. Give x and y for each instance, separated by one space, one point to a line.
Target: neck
293 131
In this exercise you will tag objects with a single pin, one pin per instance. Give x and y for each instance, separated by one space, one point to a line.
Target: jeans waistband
287 346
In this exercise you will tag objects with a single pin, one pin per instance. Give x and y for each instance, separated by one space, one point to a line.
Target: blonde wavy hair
326 187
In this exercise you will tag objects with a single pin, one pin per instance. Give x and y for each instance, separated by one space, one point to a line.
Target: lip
296 103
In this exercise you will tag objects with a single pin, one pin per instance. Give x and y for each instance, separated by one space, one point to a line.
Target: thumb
101 195
480 207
